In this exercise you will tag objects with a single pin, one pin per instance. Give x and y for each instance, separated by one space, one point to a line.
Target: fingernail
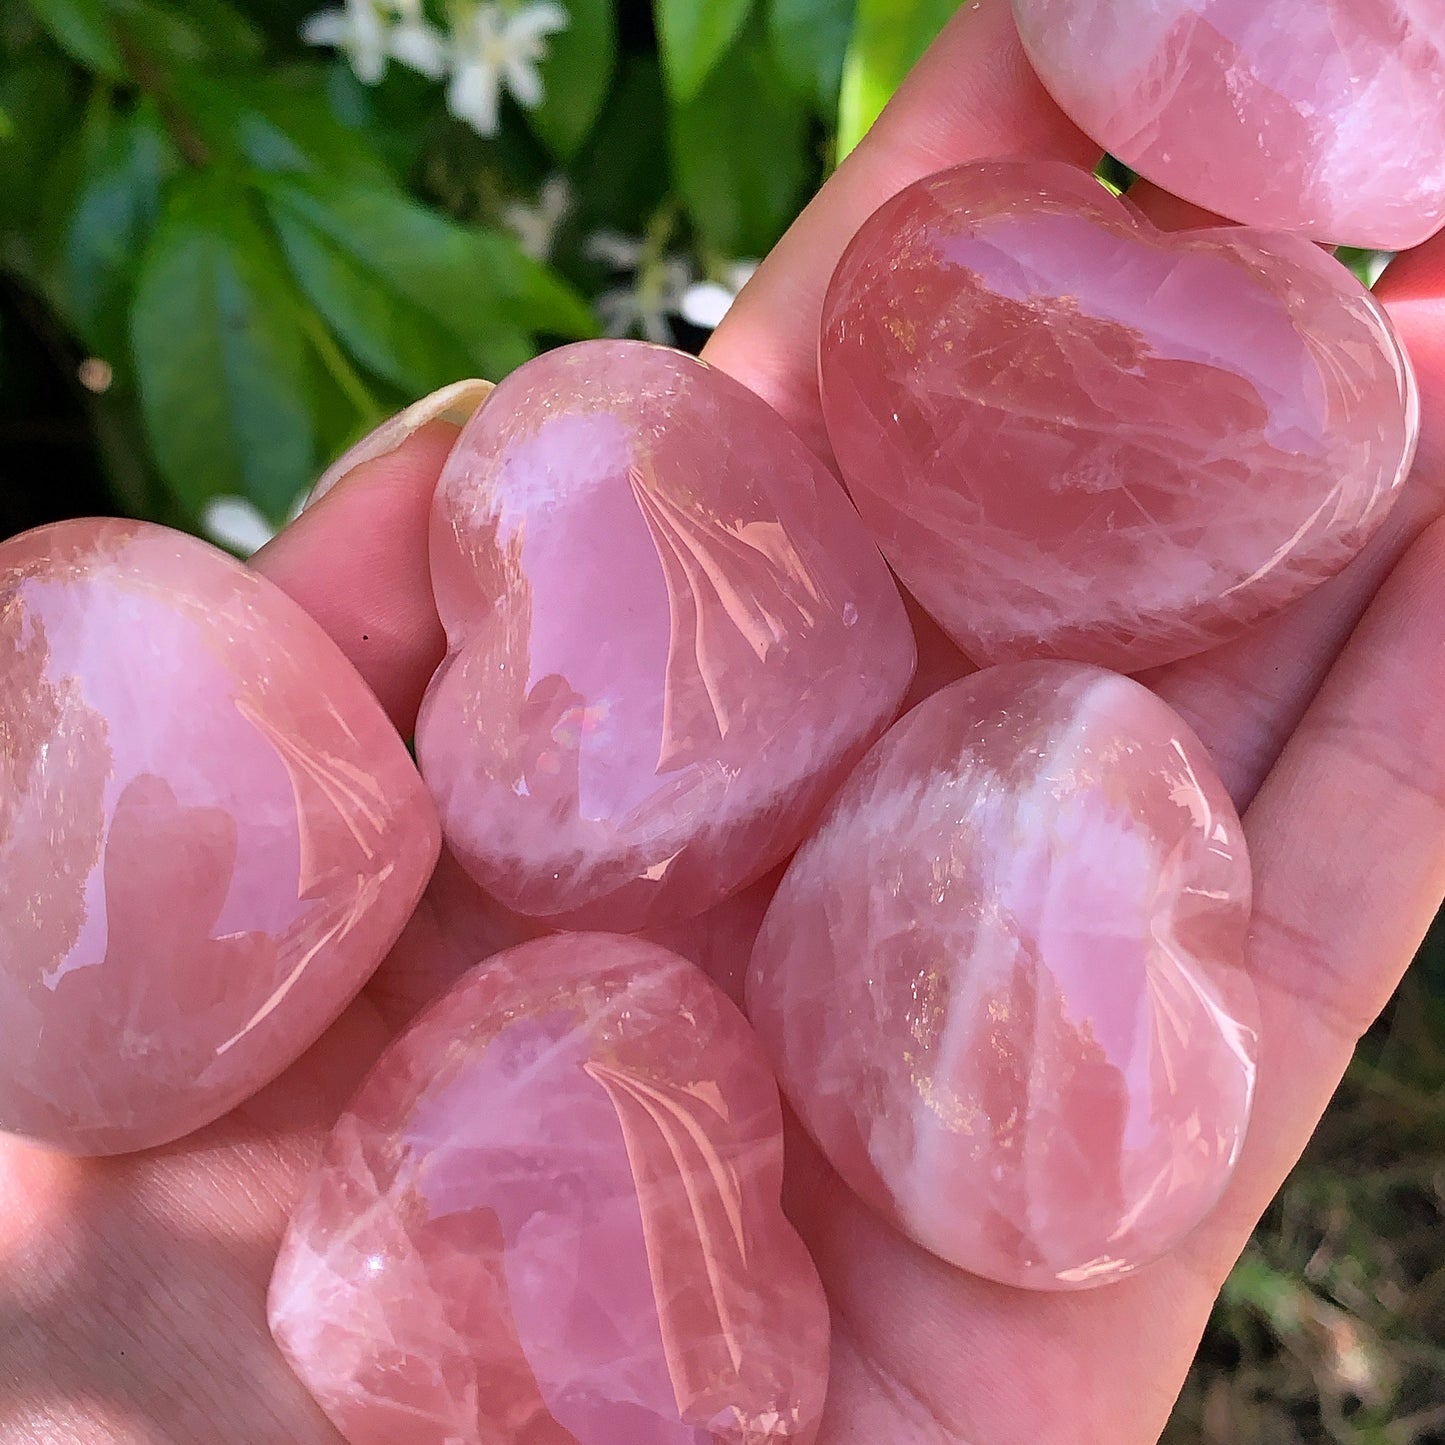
454 403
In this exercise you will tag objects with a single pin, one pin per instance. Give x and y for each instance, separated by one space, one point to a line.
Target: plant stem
155 82
342 372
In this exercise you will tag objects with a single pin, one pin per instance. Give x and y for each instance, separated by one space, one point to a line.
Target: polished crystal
1003 984
1075 435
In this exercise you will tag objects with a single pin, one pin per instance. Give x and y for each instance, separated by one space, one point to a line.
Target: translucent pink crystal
1320 116
1077 436
1002 983
551 1217
210 834
670 638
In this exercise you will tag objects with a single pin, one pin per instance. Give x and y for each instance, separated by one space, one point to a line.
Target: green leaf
533 295
386 331
619 182
395 122
191 32
357 250
740 154
225 375
576 77
82 28
38 96
1367 265
888 39
280 124
693 36
115 206
809 39
455 272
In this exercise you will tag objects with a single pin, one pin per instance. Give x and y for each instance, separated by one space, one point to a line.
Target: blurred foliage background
234 237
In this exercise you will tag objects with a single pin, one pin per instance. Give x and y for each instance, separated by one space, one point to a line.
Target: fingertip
356 560
1412 291
455 403
975 92
1415 277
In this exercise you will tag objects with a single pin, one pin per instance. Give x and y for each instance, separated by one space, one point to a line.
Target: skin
132 1289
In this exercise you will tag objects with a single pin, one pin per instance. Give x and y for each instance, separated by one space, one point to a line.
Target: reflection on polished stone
210 834
1325 117
669 639
551 1216
1003 982
1075 435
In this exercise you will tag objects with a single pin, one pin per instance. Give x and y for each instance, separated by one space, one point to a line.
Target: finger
1244 699
1347 833
133 1289
356 560
1347 839
1353 811
972 96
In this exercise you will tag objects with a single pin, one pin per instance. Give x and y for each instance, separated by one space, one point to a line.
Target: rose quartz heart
551 1214
669 636
1320 116
209 834
1003 984
1077 436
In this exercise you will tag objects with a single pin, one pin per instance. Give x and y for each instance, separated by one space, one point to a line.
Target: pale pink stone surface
210 834
1077 436
551 1217
1003 982
1320 116
669 638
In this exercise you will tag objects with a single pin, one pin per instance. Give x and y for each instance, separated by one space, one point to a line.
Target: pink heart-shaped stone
1320 116
1075 435
1003 983
669 638
210 834
551 1214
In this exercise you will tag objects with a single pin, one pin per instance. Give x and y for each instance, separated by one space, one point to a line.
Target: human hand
132 1291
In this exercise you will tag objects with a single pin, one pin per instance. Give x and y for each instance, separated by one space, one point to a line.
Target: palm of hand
131 1297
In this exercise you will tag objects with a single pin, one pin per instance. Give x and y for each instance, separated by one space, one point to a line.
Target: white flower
495 47
371 32
360 30
655 294
535 226
416 43
622 253
644 307
707 302
662 279
234 523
